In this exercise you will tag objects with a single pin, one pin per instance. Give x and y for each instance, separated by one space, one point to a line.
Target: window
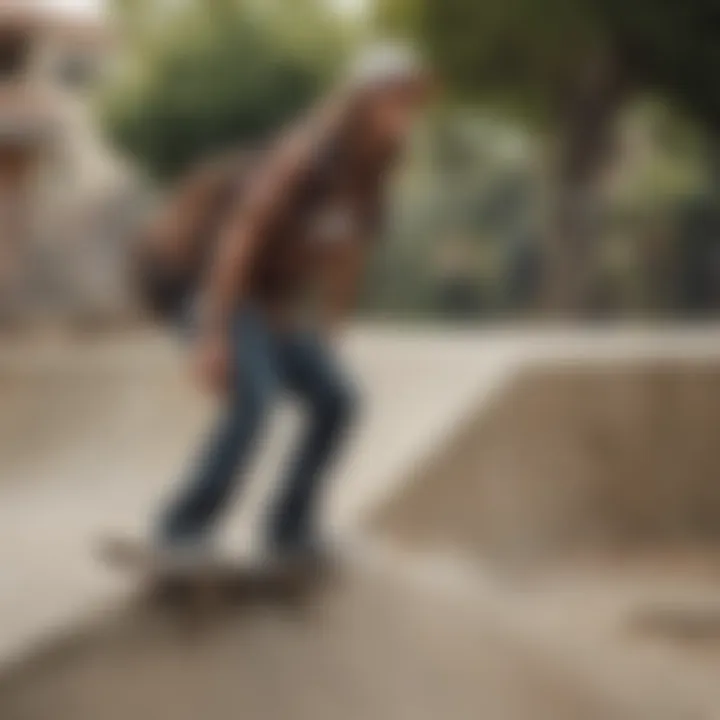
14 51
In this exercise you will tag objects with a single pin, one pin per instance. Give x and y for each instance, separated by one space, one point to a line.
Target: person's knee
337 404
250 406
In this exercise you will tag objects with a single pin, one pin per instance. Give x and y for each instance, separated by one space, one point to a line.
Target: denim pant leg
309 369
229 447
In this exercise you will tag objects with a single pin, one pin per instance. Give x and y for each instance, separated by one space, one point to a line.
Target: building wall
77 193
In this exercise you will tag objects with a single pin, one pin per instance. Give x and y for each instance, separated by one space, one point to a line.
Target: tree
570 66
206 76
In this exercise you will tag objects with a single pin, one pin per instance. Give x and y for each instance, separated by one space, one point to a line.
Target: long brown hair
356 162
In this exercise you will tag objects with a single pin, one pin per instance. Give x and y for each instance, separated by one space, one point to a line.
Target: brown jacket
324 189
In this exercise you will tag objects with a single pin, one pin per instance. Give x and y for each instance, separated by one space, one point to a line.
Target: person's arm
225 282
275 184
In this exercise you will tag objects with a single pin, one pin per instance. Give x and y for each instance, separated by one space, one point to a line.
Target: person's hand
211 362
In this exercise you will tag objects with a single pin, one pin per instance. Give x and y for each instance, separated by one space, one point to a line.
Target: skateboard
218 579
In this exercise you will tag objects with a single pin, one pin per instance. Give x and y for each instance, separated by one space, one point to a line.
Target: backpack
173 250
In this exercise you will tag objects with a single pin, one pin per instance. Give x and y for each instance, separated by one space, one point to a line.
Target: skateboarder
284 243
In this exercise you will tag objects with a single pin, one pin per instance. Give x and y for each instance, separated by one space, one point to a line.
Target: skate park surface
535 517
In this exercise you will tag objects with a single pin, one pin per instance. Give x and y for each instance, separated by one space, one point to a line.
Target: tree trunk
587 117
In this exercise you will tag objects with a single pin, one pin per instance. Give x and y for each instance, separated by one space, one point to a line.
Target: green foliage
519 54
217 75
528 54
672 47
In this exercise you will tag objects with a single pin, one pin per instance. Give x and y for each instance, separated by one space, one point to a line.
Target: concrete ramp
383 643
575 458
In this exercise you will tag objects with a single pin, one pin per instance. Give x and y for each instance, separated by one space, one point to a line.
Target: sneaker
185 554
313 553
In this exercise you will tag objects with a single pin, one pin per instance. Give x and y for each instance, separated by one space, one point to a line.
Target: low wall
575 458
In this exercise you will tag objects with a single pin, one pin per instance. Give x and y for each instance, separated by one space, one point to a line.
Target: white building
63 192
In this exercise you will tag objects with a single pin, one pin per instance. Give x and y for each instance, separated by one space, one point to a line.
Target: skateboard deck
218 577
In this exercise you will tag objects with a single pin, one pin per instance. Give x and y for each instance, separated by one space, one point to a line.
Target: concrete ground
93 434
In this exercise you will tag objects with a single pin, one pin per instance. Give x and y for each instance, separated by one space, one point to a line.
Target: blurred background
537 473
572 167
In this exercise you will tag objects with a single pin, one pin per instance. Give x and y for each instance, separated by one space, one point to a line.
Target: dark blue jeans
267 362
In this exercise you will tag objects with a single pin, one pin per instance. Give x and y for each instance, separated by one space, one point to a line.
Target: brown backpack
175 247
